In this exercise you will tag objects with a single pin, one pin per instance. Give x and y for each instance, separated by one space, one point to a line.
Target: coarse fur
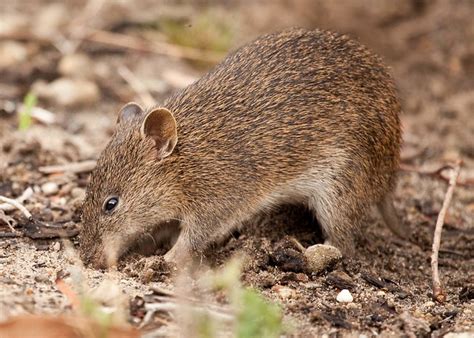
298 116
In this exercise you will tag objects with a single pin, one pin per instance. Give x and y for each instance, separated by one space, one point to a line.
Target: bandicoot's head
133 189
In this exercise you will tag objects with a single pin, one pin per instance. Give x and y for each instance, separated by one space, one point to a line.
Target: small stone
56 246
11 53
267 279
78 193
344 296
321 257
68 92
42 278
380 293
284 292
13 23
65 189
429 304
49 188
312 285
76 65
302 277
352 306
50 19
459 334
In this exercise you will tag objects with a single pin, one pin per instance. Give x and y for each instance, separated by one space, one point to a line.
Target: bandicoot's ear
129 111
160 125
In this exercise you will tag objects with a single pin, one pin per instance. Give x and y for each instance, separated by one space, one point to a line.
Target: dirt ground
429 46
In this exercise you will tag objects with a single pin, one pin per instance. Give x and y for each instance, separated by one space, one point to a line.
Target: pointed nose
96 261
91 256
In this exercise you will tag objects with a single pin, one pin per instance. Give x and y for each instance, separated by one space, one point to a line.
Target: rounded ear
129 111
160 125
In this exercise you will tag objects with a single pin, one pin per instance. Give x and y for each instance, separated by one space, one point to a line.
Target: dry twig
73 167
171 307
136 85
22 198
437 173
78 27
9 221
168 303
123 41
17 205
155 47
438 292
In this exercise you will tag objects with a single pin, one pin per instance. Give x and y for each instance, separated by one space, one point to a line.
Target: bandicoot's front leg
191 244
180 252
188 246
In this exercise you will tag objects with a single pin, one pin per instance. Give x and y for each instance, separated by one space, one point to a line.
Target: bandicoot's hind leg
389 216
339 220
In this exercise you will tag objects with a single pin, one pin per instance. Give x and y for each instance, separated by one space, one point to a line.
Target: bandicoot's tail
389 215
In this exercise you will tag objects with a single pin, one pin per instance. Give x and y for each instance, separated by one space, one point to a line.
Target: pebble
380 293
78 193
302 277
50 19
49 188
312 285
267 279
12 24
11 53
459 335
42 278
321 257
344 296
284 292
65 189
68 92
76 65
56 246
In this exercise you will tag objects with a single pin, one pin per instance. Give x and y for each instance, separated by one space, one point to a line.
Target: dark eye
111 203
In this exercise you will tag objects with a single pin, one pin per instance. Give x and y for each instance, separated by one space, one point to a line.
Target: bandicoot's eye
111 203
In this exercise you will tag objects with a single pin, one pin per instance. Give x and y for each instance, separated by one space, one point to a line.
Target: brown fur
298 116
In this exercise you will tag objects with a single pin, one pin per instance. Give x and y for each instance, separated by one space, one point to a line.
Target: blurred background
80 60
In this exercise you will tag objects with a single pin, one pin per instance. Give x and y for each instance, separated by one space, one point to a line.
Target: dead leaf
34 326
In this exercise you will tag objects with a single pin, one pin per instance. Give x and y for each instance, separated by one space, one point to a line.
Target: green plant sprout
255 316
24 116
